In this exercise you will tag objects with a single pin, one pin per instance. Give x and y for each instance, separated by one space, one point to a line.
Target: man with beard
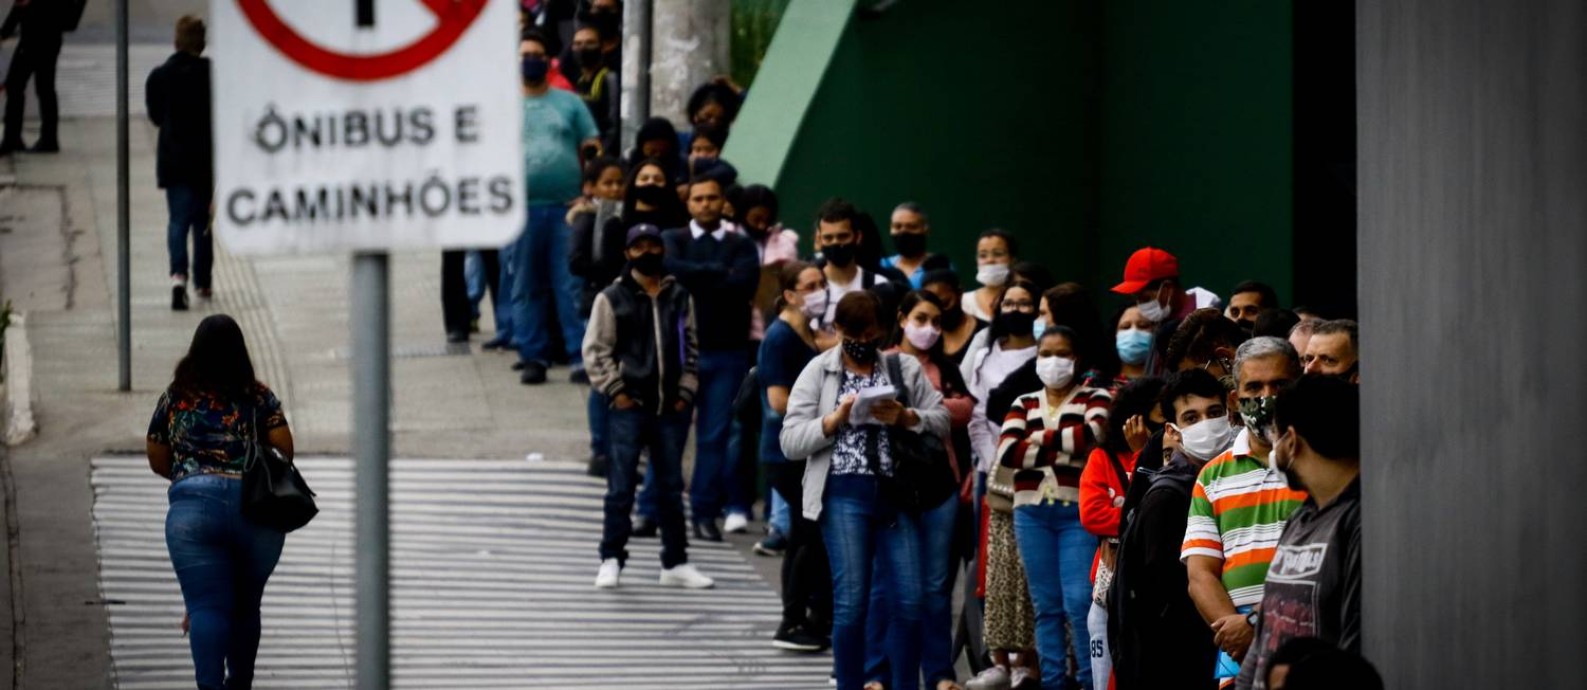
1249 300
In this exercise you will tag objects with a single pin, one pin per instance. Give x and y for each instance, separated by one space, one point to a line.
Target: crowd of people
1164 499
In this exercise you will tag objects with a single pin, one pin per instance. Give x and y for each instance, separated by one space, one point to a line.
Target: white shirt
836 291
994 365
719 234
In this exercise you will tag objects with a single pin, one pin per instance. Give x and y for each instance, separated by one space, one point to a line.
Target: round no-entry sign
453 17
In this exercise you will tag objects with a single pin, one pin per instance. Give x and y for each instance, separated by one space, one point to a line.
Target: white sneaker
736 523
993 678
687 577
611 571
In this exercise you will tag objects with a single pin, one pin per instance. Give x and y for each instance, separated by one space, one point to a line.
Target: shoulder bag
922 476
274 493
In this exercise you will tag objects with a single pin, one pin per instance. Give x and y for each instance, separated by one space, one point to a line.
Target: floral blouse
849 454
209 433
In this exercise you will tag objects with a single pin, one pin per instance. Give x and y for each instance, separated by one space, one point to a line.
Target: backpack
1177 479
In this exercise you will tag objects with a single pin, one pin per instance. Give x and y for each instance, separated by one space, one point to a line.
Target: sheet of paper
861 412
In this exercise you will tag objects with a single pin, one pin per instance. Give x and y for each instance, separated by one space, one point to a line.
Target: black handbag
274 493
922 476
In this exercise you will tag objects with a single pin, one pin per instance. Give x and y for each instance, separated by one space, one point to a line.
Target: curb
16 402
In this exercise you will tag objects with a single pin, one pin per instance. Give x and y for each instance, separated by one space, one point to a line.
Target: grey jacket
815 395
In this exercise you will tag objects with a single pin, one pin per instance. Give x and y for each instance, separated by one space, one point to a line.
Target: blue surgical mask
1133 345
1038 328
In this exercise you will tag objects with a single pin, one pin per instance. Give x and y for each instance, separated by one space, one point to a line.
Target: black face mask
534 69
861 352
651 195
1015 323
649 264
952 318
910 244
589 58
840 255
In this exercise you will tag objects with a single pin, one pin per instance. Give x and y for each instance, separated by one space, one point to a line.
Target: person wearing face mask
1314 584
994 259
643 355
1240 504
596 257
919 335
910 227
657 140
1133 341
789 346
1046 438
958 328
1103 485
1333 350
845 456
1155 634
1249 299
1205 340
555 124
1151 278
838 241
595 82
1009 620
755 212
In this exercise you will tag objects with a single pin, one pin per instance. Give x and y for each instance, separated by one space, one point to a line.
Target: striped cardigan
1049 460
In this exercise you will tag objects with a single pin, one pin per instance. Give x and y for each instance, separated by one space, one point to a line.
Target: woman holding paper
844 458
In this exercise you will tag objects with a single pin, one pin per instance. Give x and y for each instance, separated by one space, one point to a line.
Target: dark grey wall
1473 269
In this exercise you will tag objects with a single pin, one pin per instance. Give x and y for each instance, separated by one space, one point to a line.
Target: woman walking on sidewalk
199 439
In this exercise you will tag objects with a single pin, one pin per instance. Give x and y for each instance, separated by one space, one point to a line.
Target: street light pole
123 209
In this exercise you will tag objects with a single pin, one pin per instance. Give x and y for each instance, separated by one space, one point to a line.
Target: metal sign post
123 210
363 127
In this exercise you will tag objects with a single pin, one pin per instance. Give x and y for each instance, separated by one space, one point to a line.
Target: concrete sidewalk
57 264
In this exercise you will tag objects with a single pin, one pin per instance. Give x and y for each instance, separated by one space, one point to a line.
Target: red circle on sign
453 17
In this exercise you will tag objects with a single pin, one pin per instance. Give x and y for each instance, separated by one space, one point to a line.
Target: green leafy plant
754 24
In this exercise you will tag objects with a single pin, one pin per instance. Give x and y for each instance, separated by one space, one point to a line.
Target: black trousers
34 59
456 311
806 575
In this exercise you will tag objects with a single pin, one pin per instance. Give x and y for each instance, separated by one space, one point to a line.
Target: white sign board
366 124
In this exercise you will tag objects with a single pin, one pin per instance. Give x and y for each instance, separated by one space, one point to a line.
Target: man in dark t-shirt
1314 583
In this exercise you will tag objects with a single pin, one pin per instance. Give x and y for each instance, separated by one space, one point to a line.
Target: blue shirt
783 355
914 278
554 124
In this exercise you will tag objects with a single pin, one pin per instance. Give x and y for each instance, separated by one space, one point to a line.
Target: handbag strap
895 372
1118 469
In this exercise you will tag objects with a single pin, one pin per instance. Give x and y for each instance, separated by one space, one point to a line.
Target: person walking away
910 227
1009 620
596 256
642 354
42 22
176 95
199 438
720 269
1314 585
1239 506
555 125
994 259
919 335
1046 439
1103 485
1156 636
847 459
788 347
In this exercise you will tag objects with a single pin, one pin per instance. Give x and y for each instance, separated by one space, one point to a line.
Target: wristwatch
1252 617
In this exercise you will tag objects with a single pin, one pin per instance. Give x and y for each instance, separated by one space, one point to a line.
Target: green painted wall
1087 128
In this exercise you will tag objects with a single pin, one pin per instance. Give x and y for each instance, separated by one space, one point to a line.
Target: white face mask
1206 439
1154 311
922 337
1055 372
815 304
992 275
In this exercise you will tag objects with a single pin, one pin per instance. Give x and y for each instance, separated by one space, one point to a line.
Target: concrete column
691 41
1473 239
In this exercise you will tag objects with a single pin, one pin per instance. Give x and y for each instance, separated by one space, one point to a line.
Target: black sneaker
500 342
645 528
707 531
178 298
599 466
579 376
46 147
533 373
773 545
795 638
455 337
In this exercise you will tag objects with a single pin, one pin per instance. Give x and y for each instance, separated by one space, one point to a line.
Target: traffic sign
366 124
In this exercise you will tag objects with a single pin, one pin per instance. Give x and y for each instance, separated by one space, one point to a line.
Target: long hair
671 211
952 380
998 332
1071 305
217 361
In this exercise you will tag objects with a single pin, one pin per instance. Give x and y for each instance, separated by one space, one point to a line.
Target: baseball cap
641 231
1146 266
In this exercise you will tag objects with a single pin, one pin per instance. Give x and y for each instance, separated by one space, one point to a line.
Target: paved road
492 563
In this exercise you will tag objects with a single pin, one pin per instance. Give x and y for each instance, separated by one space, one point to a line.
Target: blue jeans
543 281
1057 553
222 562
474 278
936 610
715 484
598 409
189 211
664 435
506 276
859 531
779 518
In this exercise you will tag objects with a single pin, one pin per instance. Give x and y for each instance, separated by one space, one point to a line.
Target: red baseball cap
1145 266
